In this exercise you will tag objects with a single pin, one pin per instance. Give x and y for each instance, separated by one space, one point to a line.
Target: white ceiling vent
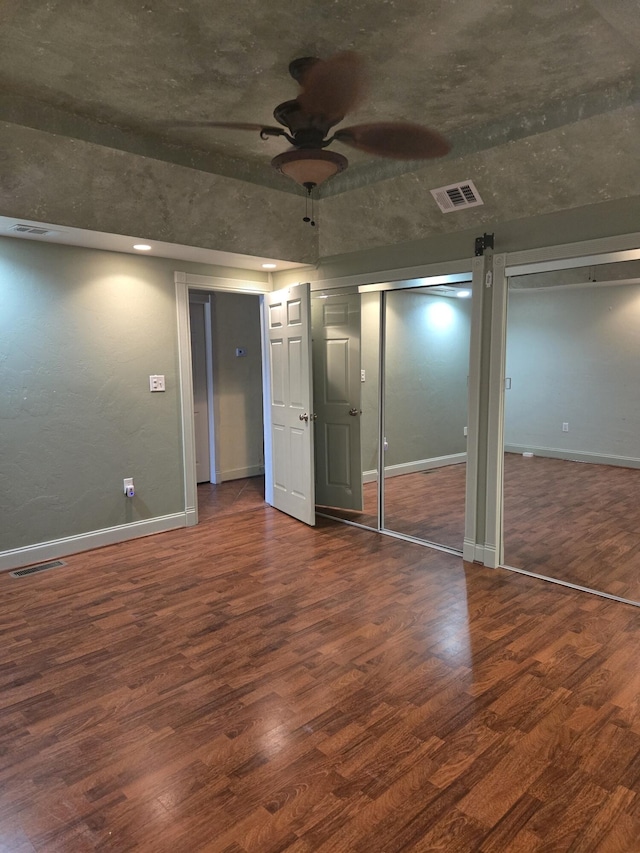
30 229
457 196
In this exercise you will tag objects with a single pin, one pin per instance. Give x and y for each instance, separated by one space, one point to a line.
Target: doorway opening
226 368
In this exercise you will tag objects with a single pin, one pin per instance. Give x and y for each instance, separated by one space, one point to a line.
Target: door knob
354 412
304 417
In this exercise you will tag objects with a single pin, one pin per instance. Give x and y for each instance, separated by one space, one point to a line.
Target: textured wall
80 333
573 357
238 384
50 178
586 163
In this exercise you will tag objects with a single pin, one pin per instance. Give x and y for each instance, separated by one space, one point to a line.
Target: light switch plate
156 382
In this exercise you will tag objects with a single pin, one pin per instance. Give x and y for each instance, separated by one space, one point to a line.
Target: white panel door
335 324
287 323
200 399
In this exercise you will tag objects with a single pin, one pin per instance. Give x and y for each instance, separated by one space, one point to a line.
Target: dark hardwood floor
255 685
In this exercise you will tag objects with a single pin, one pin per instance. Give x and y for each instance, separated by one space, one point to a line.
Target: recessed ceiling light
269 266
463 294
142 247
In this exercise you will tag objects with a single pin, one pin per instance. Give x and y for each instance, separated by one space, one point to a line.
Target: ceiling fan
329 89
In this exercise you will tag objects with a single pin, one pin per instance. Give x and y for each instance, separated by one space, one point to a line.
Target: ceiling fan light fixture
309 167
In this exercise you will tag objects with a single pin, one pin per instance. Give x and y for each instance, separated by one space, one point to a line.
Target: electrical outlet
156 382
465 430
565 427
128 487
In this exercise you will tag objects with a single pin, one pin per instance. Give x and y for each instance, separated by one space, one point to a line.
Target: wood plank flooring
571 521
574 521
256 686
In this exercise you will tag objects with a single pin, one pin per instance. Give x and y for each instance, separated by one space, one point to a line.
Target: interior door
335 324
200 400
288 333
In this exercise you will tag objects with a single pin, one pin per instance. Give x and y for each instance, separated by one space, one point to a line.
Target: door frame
212 418
605 250
183 283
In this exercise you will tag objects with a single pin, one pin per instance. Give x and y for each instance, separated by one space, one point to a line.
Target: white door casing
337 392
200 395
288 344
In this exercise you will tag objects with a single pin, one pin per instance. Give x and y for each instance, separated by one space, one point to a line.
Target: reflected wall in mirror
572 427
426 367
345 343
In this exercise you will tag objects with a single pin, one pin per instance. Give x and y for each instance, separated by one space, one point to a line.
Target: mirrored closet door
572 427
426 365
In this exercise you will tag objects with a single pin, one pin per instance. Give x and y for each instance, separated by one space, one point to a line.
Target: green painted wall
80 333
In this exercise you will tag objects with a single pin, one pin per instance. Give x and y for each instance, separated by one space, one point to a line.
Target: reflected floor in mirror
427 505
574 521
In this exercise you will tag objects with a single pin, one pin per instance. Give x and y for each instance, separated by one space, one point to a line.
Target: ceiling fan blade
333 87
401 140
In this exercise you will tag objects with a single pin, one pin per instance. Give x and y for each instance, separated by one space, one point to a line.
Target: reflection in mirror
345 332
426 366
572 427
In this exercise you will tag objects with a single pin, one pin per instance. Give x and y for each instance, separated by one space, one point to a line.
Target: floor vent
32 570
457 196
30 229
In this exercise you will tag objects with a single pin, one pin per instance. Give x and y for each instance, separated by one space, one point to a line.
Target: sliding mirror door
345 332
426 363
572 427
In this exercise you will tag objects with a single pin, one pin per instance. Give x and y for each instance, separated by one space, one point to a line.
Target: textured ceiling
484 72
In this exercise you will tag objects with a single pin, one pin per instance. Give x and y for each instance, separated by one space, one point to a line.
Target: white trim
575 455
401 275
409 284
415 467
186 402
495 422
483 554
266 402
574 252
574 285
212 399
572 263
240 473
18 557
473 404
211 282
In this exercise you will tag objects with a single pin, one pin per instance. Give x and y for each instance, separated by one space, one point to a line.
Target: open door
290 487
335 328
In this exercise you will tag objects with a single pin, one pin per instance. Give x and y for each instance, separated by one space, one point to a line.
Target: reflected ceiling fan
329 89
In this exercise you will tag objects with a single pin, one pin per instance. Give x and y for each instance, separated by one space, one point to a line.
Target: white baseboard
575 455
240 473
415 467
487 555
43 551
